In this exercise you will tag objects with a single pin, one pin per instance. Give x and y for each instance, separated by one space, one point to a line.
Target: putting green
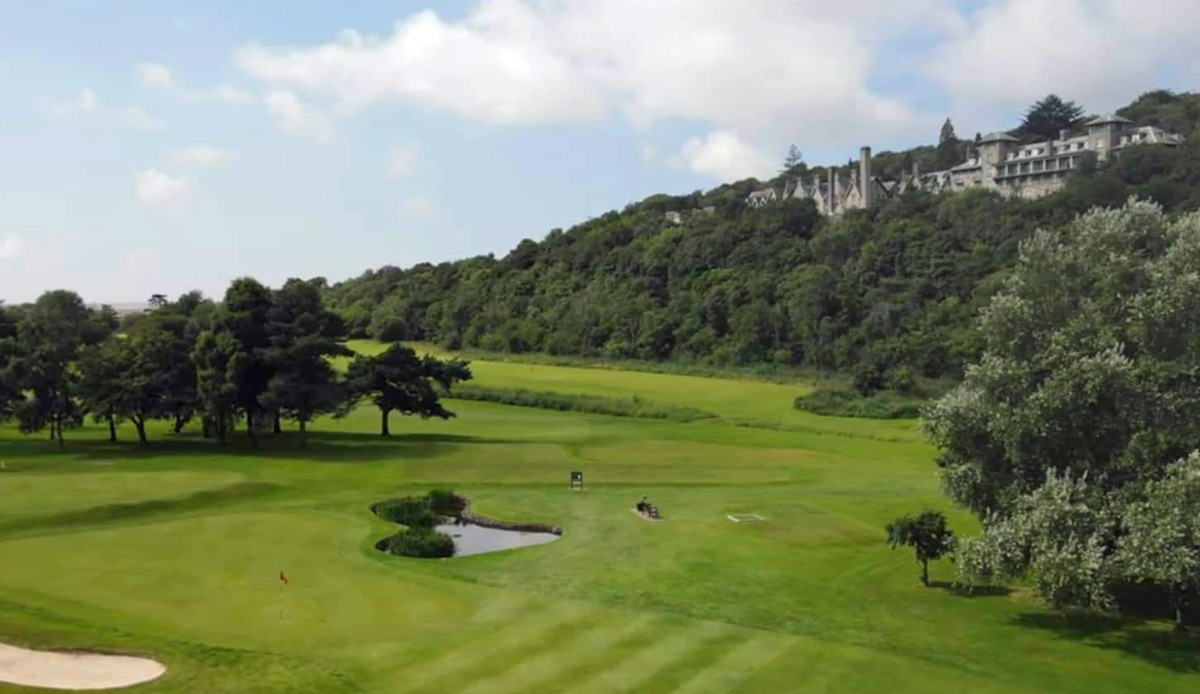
174 551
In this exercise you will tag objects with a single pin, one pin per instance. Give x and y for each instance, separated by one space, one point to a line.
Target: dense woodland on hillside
889 293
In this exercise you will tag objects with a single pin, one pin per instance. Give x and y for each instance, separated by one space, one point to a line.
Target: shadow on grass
321 446
971 591
1176 651
117 513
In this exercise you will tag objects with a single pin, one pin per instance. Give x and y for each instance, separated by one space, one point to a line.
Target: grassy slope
750 402
175 551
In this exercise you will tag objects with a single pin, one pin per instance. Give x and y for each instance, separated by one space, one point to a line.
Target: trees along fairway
397 380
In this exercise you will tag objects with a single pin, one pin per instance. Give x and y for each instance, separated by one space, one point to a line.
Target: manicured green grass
175 551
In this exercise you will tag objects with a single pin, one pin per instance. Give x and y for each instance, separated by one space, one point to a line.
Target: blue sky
163 146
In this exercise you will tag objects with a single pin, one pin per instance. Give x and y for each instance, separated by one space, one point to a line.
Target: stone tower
1104 134
864 176
993 150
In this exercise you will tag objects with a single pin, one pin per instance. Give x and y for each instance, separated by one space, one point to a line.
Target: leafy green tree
302 337
400 381
130 377
1160 544
793 160
11 394
246 308
928 535
102 372
219 360
1060 536
947 154
49 336
1087 392
1045 118
158 300
1089 366
947 134
180 324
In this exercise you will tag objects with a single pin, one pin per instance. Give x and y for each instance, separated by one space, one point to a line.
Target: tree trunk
383 427
278 424
141 430
61 443
205 429
112 428
925 572
180 422
250 427
303 432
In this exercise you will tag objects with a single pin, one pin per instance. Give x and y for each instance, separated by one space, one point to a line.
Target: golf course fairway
176 551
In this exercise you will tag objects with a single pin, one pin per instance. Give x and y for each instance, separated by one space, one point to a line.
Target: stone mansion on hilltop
1000 163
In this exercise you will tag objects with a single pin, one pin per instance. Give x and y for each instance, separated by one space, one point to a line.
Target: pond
476 539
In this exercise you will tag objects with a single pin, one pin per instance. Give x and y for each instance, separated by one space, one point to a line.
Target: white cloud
755 67
159 76
153 188
86 103
202 155
402 161
11 247
155 75
138 118
83 101
1101 53
724 155
295 117
416 208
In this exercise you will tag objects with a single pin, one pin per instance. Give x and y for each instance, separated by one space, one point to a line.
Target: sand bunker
75 671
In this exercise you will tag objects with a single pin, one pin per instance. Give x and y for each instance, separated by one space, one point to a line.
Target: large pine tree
1047 117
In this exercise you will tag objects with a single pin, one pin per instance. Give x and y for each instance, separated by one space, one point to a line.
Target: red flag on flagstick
283 577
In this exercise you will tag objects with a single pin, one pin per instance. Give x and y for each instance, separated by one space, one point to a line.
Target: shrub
445 502
849 403
869 376
412 511
573 402
420 542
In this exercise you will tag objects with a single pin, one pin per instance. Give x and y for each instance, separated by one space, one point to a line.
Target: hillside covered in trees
889 292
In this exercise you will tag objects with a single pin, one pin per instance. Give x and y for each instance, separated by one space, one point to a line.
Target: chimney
916 169
864 175
831 191
1062 134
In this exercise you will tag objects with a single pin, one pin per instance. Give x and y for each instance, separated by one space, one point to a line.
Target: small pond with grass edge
433 521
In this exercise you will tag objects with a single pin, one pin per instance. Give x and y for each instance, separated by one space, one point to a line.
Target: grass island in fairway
175 550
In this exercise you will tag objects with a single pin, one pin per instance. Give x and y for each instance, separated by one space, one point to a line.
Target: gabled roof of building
999 137
1108 118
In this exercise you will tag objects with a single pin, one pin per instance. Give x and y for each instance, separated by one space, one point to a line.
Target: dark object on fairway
283 578
926 533
647 510
577 480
